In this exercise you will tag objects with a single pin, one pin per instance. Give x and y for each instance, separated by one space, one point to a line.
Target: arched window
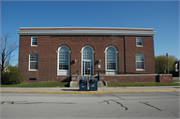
63 60
111 60
87 60
87 53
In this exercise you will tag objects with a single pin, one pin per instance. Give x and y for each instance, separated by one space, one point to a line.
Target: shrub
11 75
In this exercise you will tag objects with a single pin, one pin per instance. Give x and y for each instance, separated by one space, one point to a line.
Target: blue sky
162 16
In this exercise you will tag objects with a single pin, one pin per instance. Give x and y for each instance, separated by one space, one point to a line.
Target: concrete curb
88 92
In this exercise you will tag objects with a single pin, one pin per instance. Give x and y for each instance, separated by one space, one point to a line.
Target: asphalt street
176 78
111 105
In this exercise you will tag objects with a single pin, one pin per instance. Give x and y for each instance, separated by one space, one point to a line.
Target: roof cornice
86 32
87 27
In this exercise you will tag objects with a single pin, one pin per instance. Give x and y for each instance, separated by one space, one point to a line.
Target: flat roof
86 31
86 27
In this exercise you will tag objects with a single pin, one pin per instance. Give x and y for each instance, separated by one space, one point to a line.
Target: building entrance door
87 61
87 68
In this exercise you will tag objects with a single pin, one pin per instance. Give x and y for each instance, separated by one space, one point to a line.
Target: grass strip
66 84
48 84
175 81
141 84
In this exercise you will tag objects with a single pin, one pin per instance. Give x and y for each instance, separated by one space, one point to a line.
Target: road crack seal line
105 101
150 105
175 114
26 102
10 102
115 102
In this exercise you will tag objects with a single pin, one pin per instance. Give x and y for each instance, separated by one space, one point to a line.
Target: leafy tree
161 63
11 75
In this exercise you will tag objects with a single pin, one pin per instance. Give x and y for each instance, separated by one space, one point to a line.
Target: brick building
64 54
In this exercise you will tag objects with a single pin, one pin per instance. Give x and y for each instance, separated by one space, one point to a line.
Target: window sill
33 70
34 46
140 70
139 46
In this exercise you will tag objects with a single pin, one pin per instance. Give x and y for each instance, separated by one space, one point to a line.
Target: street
112 106
176 78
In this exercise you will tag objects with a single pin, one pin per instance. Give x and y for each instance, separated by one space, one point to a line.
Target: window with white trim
63 60
111 60
87 53
139 42
33 62
34 41
87 61
140 62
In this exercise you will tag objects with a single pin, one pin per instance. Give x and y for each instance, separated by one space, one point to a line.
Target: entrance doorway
87 68
87 61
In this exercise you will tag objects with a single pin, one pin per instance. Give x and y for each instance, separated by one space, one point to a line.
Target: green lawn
175 83
66 84
48 84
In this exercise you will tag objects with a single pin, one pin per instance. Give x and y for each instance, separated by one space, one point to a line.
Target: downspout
124 56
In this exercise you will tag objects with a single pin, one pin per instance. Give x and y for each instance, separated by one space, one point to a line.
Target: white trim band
86 32
87 28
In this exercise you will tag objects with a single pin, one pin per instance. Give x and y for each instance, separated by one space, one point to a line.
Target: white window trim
33 61
108 71
87 60
62 72
31 40
141 41
136 63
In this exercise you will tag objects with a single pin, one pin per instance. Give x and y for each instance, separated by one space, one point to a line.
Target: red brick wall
48 45
131 51
161 78
129 78
43 62
165 78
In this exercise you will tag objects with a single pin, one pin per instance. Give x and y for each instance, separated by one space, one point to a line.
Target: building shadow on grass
67 85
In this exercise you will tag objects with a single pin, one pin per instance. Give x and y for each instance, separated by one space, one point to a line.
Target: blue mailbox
83 84
93 84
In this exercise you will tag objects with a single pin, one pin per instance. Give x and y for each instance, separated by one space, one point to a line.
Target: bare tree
7 47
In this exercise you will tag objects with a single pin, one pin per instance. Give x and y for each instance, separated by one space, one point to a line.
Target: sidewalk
100 90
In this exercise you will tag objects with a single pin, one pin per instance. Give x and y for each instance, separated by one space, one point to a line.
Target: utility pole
167 64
